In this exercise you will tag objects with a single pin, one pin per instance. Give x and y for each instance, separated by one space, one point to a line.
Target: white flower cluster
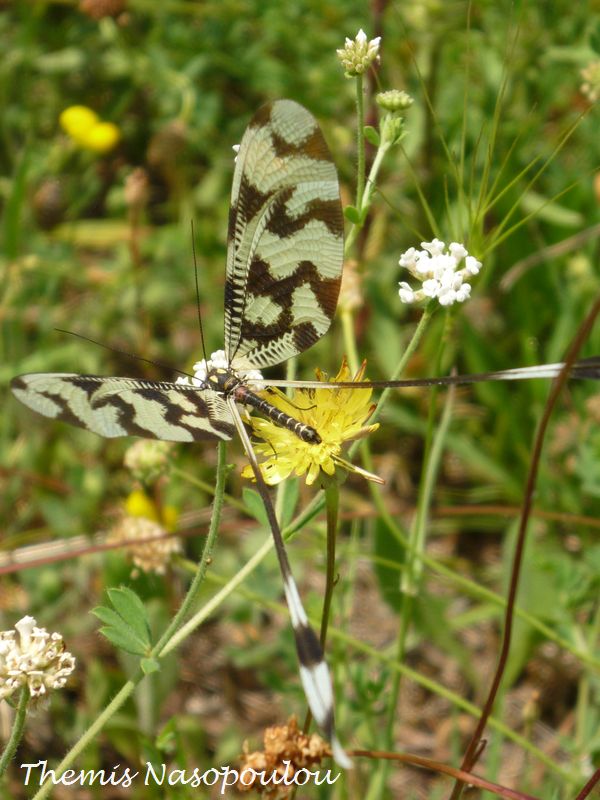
437 270
217 360
358 53
31 656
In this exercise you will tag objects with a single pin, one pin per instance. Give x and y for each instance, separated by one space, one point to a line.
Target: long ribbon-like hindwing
314 672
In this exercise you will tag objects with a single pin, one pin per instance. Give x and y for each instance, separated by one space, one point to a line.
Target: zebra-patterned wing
285 241
126 407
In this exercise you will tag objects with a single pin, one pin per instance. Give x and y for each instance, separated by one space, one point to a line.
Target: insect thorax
223 381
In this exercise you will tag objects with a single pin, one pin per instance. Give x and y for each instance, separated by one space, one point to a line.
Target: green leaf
371 134
122 638
12 225
352 214
254 504
126 625
149 665
551 211
108 616
389 553
167 737
595 39
131 609
291 491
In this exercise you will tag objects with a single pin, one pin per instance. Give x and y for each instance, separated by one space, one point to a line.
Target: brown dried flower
286 751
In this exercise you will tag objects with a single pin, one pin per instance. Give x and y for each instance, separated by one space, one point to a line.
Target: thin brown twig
585 792
555 391
445 769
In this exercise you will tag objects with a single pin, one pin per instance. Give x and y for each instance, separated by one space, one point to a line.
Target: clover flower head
147 460
32 657
217 360
87 130
147 556
436 268
394 100
359 53
338 415
144 520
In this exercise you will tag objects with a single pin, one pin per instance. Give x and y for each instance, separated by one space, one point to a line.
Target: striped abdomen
302 431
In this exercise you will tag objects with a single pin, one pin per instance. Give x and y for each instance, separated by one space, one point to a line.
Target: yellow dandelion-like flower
338 415
102 137
77 120
86 128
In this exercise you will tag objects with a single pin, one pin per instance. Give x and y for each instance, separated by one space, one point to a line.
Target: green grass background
181 80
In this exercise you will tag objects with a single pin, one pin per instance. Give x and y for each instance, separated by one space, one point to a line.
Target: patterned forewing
126 407
285 244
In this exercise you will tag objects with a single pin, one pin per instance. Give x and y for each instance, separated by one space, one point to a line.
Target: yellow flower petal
77 120
101 137
339 415
138 504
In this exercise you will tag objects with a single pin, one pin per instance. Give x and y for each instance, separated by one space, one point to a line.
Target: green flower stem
373 172
164 644
209 488
430 470
16 733
406 356
364 198
364 204
410 576
360 141
472 588
91 733
167 641
585 701
349 338
208 608
332 504
389 660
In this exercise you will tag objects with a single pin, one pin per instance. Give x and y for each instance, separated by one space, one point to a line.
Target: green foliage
499 151
126 624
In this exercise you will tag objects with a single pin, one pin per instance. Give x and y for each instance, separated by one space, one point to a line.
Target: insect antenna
125 353
204 352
